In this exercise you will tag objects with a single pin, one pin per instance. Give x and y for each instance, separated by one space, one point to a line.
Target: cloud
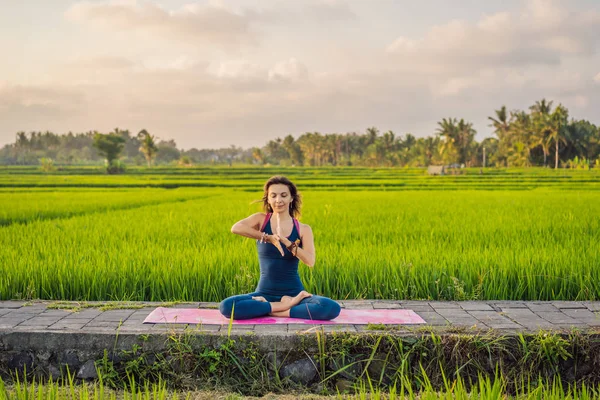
102 62
503 48
39 96
288 71
193 24
329 10
542 33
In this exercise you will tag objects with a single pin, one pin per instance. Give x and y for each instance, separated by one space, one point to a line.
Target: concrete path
505 316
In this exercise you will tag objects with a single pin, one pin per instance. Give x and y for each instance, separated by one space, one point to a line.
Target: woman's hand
275 240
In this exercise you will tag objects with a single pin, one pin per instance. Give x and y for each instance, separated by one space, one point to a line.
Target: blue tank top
278 274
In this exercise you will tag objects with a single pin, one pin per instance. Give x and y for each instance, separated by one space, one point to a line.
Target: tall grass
26 206
484 389
537 245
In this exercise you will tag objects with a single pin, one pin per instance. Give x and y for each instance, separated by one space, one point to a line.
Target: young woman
281 241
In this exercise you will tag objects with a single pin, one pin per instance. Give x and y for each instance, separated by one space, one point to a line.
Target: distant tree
448 133
293 149
559 134
258 155
109 146
148 146
167 152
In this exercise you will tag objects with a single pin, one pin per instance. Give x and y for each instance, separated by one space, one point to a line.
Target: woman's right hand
275 240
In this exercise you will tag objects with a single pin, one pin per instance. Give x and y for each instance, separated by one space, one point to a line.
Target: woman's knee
332 309
226 306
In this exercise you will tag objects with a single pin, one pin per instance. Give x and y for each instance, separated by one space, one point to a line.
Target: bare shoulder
258 217
305 228
254 220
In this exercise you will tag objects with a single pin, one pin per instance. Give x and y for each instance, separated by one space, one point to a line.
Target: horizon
211 74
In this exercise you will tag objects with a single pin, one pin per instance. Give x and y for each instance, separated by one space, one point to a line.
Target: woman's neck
283 216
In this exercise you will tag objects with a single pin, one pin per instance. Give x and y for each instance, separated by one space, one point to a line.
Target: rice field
522 234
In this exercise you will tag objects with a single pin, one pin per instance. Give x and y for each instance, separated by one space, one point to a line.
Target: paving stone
438 305
508 304
453 312
114 315
208 328
465 321
85 313
35 309
433 318
421 308
414 303
102 324
358 304
8 324
209 305
55 313
301 327
546 306
67 326
11 304
592 305
568 304
40 321
275 328
241 327
186 305
339 328
583 315
558 318
362 328
527 318
4 311
139 314
494 320
30 328
386 306
475 306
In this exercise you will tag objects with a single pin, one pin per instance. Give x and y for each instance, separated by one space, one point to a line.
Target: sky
215 73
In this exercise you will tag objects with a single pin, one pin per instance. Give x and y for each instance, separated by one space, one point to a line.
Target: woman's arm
249 227
306 253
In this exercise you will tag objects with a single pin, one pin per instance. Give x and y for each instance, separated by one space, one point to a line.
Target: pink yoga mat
164 315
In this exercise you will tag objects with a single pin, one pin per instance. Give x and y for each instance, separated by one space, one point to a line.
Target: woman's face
279 197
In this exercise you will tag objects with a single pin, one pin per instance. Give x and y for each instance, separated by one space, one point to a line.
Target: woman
281 241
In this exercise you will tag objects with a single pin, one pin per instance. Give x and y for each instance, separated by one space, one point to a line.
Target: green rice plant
26 206
531 245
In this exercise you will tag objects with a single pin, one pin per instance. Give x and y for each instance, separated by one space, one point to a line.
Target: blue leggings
314 307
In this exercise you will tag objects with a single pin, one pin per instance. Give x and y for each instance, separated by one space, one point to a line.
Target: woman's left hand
275 240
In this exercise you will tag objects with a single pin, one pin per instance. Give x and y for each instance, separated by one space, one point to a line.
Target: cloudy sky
220 72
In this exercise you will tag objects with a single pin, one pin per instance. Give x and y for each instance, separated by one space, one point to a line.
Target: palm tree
258 155
466 135
559 120
522 139
371 135
501 124
448 132
148 147
541 125
542 107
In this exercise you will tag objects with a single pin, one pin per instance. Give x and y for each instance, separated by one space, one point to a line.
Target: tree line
541 136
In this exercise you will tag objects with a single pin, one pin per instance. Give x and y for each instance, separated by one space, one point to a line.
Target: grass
469 244
483 389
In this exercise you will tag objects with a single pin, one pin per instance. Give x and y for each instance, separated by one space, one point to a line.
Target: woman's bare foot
299 297
259 298
288 302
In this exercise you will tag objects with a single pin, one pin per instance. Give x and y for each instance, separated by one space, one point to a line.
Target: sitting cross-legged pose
281 242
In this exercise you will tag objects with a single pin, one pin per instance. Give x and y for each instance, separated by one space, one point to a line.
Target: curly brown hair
296 204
